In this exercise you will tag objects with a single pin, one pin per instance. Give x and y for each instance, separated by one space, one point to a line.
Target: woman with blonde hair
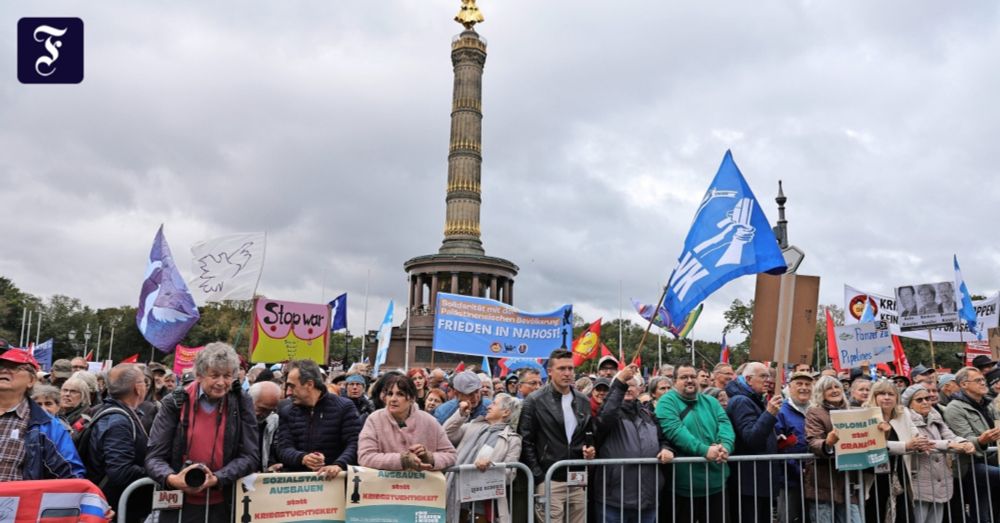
822 483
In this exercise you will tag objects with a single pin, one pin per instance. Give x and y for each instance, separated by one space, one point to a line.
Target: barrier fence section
474 511
934 487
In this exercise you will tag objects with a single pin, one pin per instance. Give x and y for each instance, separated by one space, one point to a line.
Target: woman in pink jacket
401 436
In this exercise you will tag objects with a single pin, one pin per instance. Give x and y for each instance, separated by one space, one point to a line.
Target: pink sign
184 358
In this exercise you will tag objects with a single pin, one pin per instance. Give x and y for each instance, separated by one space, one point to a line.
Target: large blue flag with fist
730 237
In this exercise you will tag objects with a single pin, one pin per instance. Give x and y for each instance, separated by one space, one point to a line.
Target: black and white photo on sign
925 305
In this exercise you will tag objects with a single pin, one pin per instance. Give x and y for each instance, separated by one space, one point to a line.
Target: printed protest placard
394 496
477 486
291 497
861 444
285 330
926 305
884 308
470 325
864 344
184 358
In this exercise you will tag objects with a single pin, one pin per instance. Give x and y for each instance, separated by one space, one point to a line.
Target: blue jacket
446 409
48 448
754 428
791 423
331 427
115 457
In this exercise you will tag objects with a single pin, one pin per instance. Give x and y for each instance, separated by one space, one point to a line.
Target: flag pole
38 328
364 321
656 309
24 317
659 350
409 305
621 326
930 338
27 335
100 328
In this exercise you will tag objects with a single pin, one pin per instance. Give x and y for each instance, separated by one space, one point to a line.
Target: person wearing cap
598 394
555 425
946 389
319 431
901 382
931 474
468 389
921 374
984 363
971 416
791 433
355 391
510 385
208 426
992 383
607 366
61 370
34 445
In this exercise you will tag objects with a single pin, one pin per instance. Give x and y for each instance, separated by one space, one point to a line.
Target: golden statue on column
469 15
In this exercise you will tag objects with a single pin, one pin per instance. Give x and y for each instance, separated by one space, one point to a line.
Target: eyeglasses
922 399
687 377
981 381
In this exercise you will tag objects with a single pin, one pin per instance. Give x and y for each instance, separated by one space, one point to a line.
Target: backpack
83 443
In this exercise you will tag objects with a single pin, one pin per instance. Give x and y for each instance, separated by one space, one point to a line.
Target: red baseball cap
19 356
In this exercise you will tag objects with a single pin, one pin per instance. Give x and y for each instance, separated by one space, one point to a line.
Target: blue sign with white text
483 327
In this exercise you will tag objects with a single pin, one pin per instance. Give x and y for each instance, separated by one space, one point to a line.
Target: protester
597 395
722 374
753 418
555 423
667 371
823 484
860 390
486 386
947 389
61 370
510 384
971 416
93 386
931 485
584 386
704 379
48 398
74 402
401 436
265 396
208 426
984 363
435 397
467 388
483 442
901 437
627 431
920 374
319 431
607 366
696 425
78 363
529 380
169 382
791 439
46 451
437 379
719 395
114 448
419 379
355 384
658 386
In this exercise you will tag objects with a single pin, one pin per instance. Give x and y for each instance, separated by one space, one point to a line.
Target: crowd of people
222 420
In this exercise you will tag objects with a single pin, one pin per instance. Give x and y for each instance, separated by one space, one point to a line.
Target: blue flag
166 309
339 313
43 354
384 334
486 367
729 237
967 313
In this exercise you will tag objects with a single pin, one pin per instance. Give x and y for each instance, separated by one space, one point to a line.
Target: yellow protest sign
285 330
291 497
860 443
390 496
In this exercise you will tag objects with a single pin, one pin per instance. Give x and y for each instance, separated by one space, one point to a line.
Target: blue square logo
50 50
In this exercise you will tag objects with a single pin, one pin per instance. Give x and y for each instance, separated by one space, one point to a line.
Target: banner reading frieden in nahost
394 496
291 497
470 325
286 330
861 445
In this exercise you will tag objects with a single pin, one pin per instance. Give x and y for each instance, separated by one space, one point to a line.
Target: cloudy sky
326 124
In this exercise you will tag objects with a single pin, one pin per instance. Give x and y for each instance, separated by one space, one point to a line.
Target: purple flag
166 308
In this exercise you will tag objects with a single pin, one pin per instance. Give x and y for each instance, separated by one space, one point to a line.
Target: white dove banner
227 267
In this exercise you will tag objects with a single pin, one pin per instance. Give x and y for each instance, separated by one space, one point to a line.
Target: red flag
902 366
605 351
831 342
585 347
131 359
502 365
460 367
89 356
637 360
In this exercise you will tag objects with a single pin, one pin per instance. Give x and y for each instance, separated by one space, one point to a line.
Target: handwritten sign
867 343
477 486
285 330
860 443
291 497
395 496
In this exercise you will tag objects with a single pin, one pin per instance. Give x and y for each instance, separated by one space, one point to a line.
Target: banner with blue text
483 327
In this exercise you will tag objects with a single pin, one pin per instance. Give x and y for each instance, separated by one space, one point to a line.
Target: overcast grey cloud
326 124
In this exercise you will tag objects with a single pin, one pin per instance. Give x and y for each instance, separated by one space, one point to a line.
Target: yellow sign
390 496
290 497
285 330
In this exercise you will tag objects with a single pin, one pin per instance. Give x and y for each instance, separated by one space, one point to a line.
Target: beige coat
931 474
506 450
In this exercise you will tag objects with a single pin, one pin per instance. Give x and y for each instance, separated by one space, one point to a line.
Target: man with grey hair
113 447
265 396
207 427
971 416
318 431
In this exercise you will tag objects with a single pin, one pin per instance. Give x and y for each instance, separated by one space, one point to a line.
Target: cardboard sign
784 318
291 497
864 344
395 496
477 486
285 330
861 444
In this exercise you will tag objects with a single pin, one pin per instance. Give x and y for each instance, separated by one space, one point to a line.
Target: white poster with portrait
926 305
884 307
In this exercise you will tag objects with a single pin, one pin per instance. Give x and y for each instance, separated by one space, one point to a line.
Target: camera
194 477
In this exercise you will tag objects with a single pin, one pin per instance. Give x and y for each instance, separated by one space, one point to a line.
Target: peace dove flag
166 309
227 267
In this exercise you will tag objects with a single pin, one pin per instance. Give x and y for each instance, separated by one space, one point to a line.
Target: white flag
227 267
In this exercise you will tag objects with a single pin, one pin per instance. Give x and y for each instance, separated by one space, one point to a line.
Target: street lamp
72 340
86 339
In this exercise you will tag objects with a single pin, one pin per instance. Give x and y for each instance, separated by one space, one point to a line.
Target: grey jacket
965 421
930 474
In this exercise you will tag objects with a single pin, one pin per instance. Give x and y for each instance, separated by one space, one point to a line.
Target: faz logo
50 50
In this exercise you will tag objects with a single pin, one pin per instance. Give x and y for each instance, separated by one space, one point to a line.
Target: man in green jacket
696 425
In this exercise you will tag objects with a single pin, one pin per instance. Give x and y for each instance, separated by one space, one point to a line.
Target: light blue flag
967 313
868 315
729 237
384 333
486 367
